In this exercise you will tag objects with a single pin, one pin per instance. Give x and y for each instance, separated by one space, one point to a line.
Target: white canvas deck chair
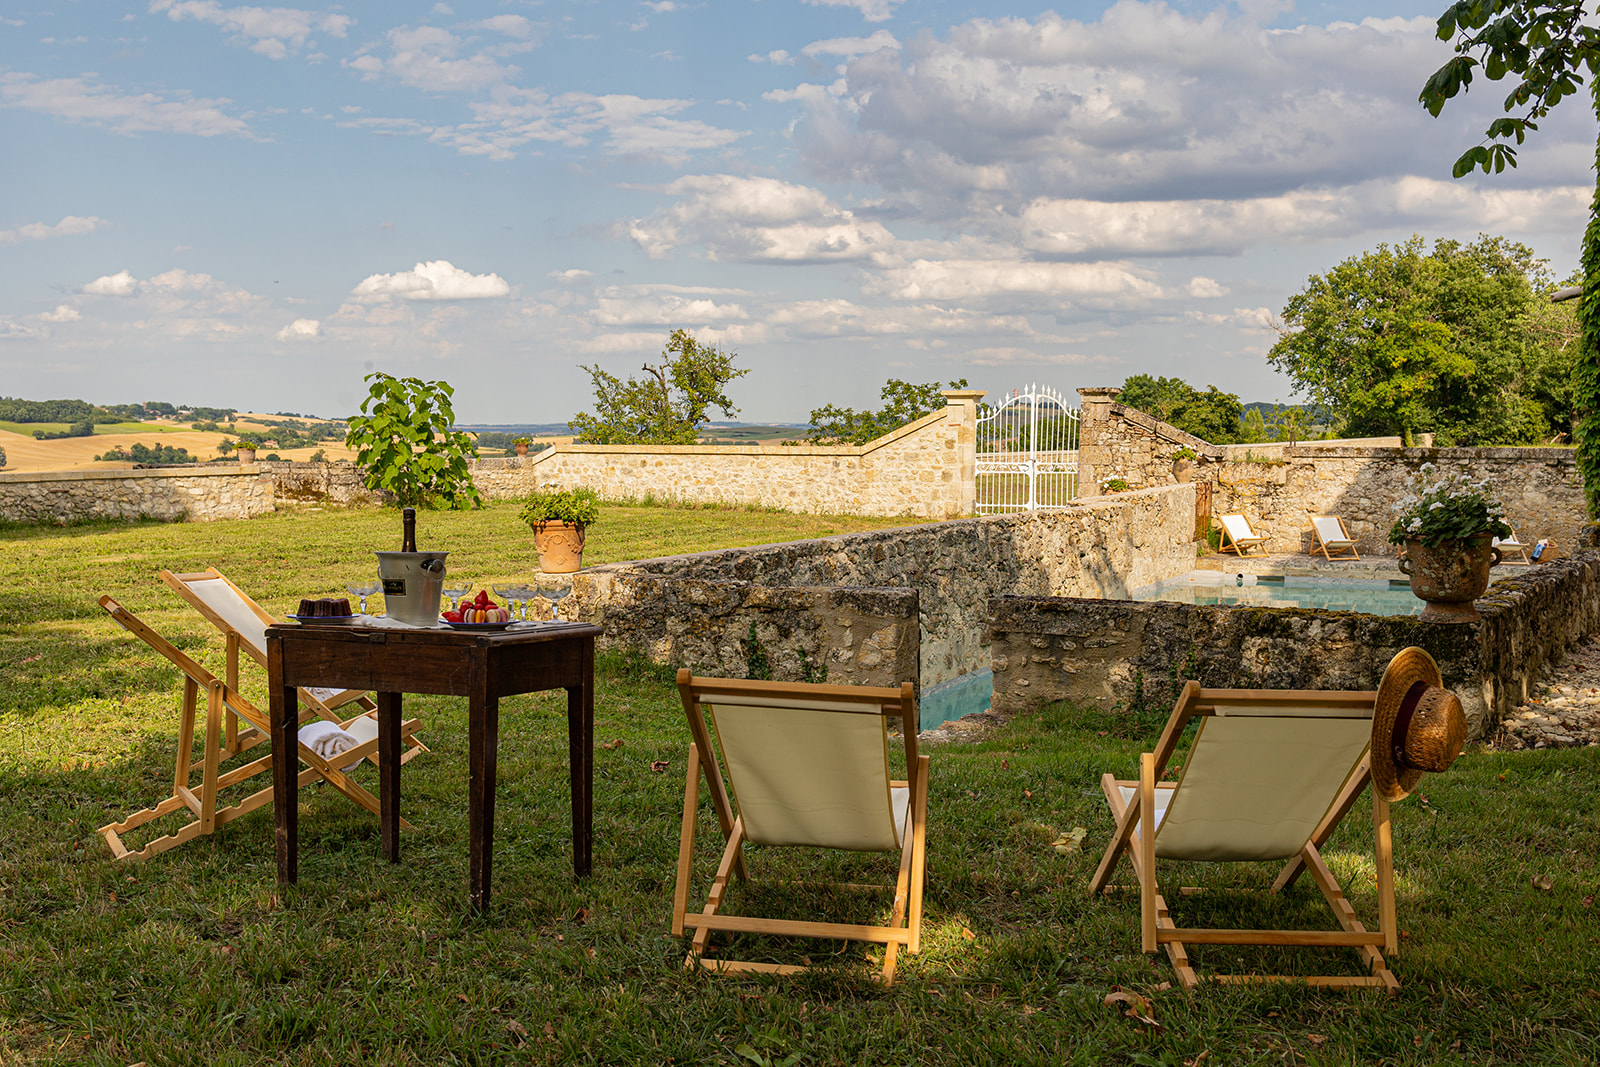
1509 547
807 765
244 624
202 800
1237 536
1333 540
1271 774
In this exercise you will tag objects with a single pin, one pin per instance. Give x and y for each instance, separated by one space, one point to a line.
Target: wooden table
483 667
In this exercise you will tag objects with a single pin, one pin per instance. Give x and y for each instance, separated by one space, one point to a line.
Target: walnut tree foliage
665 407
405 442
1213 416
1547 45
1459 341
903 403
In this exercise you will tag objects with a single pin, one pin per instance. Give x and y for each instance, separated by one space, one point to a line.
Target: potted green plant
1448 526
559 519
1183 461
521 445
246 447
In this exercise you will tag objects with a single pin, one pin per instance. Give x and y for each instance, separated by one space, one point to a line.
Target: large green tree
406 443
1213 416
668 405
903 403
1403 340
1546 44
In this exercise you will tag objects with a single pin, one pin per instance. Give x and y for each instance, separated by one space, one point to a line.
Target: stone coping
742 450
196 471
1336 450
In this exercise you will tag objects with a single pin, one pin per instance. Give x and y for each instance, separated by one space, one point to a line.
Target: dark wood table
483 667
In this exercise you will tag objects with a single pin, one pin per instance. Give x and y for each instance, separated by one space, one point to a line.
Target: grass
196 957
27 428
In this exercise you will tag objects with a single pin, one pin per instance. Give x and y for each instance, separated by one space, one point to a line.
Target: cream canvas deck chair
202 799
807 765
1237 536
1333 540
244 624
1270 776
1509 547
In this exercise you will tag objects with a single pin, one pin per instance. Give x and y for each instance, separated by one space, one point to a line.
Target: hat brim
1409 666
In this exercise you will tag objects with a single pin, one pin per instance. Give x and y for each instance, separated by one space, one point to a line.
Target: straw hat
1417 724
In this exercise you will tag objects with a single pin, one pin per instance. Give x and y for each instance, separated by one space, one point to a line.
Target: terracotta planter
521 447
560 546
247 456
1450 577
1183 470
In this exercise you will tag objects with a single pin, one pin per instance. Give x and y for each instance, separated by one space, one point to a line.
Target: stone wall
1105 546
168 493
1054 648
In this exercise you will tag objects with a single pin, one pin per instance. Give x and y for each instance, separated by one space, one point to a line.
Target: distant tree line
493 439
16 409
139 453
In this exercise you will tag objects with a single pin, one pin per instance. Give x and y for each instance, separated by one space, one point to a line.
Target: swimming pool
1374 596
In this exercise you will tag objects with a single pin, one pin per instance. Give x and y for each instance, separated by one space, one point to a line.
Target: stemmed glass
512 595
455 592
363 590
553 587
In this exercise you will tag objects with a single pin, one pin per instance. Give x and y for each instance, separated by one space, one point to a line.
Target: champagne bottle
408 517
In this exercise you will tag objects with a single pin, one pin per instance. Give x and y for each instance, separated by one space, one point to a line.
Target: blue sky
222 204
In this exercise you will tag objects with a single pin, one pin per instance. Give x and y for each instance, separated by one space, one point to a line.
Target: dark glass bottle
408 518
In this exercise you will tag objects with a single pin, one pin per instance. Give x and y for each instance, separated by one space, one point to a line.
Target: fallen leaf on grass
1069 843
1543 881
609 745
517 1031
1198 1059
463 998
549 1032
968 934
32 659
580 916
1316 1039
659 765
1138 1007
1588 901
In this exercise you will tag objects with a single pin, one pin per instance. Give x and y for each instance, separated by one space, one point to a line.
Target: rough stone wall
328 484
923 469
1046 649
861 636
194 493
1540 488
1102 546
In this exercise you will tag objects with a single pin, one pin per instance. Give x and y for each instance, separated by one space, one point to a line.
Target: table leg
483 730
580 763
283 715
389 773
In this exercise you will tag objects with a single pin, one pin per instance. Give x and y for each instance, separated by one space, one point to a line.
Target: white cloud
1257 318
1096 284
851 47
76 100
69 226
121 283
429 58
871 10
758 220
272 32
662 7
301 330
777 57
437 280
1203 288
17 330
509 25
62 313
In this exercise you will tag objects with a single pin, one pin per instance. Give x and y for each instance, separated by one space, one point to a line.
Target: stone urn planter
1183 470
1450 576
521 447
247 456
560 546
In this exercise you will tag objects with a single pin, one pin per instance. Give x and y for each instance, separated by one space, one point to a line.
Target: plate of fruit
480 613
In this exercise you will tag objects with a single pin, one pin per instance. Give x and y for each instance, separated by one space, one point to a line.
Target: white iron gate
1027 452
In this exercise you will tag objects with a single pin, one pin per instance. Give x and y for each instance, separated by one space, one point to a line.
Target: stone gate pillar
961 415
1094 424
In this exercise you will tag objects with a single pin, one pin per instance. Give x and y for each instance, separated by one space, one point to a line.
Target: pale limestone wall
170 493
1102 546
1540 488
923 469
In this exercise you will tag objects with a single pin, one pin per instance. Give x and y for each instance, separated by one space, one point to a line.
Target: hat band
1402 723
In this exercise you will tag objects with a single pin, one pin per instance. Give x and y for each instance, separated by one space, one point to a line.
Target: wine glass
553 587
455 592
509 593
524 593
363 590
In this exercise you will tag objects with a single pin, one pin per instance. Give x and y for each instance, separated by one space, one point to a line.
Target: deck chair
1269 777
1509 547
1333 540
1236 532
807 765
244 624
204 804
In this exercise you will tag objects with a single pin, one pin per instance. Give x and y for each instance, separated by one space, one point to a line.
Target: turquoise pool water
1374 596
966 695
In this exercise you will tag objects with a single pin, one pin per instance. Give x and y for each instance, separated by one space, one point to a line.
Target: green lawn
196 957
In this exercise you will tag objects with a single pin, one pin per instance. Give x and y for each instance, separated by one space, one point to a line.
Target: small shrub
580 506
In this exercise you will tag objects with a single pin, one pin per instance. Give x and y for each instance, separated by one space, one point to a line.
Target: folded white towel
327 740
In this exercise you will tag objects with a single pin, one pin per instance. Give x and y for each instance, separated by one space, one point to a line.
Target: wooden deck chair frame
1240 545
204 803
325 702
1341 547
1157 929
904 930
1511 546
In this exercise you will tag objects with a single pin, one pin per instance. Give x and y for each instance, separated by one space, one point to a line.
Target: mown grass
197 957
